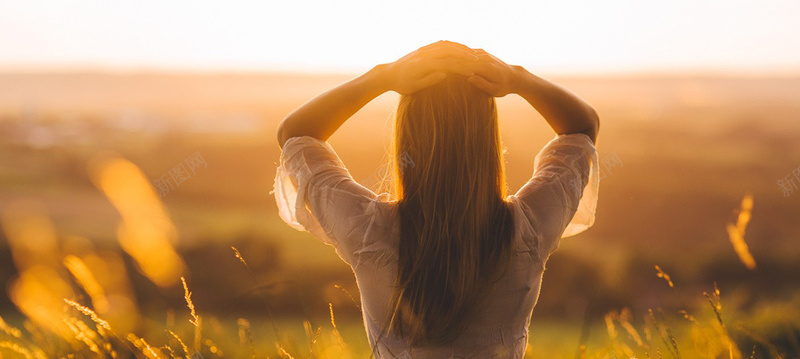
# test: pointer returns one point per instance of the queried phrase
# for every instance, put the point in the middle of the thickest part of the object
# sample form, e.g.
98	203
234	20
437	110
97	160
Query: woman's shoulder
386	212
525	236
385	219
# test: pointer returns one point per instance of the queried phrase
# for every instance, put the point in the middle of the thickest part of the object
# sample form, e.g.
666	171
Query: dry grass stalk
188	296
180	342
82	334
352	299
736	232
239	255
335	329
143	346
665	276
16	348
264	298
14	332
284	353
90	313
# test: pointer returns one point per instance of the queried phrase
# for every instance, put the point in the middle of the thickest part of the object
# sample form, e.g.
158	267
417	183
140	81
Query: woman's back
364	229
498	329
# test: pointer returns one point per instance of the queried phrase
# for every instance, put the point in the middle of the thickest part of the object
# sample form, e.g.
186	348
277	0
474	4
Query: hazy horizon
323	72
618	36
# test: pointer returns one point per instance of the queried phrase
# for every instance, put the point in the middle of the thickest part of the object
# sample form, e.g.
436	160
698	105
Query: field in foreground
712	326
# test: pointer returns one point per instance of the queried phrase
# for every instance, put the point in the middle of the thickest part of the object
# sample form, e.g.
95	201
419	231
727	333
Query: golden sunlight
736	232
146	232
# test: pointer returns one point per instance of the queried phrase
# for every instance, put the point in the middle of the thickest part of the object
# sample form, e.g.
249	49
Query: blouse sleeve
315	192
560	200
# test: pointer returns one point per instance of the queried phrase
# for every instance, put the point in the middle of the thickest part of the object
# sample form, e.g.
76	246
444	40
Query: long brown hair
455	226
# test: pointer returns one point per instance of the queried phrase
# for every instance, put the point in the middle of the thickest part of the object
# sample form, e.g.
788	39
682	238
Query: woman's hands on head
494	76
429	65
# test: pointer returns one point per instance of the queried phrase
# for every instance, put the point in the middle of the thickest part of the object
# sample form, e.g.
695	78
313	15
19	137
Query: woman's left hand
427	66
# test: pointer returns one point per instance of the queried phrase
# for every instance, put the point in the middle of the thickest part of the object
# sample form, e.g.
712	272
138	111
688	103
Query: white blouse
316	193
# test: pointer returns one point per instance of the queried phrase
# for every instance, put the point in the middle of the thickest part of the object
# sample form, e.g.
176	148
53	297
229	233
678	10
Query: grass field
73	145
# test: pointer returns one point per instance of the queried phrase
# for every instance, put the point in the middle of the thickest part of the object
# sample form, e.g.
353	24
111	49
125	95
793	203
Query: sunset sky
344	35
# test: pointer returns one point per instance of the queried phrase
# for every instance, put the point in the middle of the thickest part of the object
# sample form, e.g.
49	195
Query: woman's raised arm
323	115
563	110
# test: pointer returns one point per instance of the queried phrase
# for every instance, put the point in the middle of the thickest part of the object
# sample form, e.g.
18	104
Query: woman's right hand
427	66
494	76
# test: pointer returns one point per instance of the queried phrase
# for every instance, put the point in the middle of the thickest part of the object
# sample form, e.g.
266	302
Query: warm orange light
736	233
39	288
146	232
